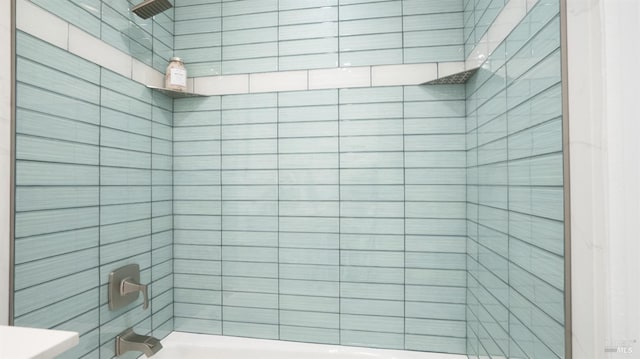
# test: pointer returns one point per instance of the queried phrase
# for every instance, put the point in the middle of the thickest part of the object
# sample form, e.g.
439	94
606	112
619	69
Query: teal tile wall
93	192
149	41
515	195
333	216
246	36
478	17
309	223
250	222
197	209
419	218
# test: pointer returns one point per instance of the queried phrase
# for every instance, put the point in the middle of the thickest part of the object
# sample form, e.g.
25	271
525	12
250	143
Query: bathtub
198	346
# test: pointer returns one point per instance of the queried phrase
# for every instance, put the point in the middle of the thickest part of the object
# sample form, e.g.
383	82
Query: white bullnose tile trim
190	84
449	68
50	28
412	74
221	85
98	52
146	74
341	77
34	20
510	16
279	81
333	78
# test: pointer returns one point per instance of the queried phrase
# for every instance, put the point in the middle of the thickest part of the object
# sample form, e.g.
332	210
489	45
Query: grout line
404	208
99	199
402	18
278	65
339	227
151	233
278	209
338	6
221	186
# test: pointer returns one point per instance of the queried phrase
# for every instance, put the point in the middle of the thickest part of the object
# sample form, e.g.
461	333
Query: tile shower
422	218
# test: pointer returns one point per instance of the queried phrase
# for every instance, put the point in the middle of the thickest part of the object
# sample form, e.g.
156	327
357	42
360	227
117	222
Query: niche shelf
457	78
176	94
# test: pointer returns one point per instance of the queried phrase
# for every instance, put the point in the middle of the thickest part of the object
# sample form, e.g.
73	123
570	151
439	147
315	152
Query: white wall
604	95
5	143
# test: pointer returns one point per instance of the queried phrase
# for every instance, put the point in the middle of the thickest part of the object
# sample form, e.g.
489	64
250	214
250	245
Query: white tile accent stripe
190	82
48	27
221	85
279	81
98	52
449	68
34	20
510	16
145	74
342	77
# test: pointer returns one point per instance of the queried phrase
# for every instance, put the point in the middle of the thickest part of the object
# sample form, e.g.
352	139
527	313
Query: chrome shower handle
128	285
124	287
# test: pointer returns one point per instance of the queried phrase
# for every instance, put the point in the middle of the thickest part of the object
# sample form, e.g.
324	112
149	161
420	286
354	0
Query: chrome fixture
129	341
149	8
124	287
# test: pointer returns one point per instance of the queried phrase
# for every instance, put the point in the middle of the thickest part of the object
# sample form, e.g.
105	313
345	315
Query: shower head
149	8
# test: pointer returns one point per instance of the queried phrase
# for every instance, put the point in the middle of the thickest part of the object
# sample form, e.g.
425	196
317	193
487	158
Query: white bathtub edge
182	339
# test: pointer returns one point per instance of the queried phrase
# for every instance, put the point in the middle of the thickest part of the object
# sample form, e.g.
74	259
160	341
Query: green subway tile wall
478	17
93	192
424	218
246	36
515	195
331	216
149	41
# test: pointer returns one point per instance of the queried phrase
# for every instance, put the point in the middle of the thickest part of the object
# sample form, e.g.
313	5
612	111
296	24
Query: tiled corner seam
510	16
